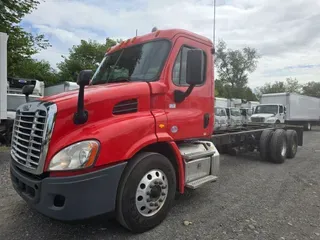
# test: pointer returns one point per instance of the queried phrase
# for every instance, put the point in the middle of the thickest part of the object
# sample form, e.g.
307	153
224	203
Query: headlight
271	120
76	156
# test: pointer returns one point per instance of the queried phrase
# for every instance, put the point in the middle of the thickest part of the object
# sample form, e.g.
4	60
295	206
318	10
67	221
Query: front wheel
146	192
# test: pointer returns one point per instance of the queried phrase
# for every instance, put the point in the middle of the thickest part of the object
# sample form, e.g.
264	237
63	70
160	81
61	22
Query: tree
233	66
311	89
291	85
21	45
40	70
83	56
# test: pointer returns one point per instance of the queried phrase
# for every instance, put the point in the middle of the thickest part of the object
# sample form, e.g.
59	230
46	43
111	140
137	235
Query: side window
281	109
216	111
180	67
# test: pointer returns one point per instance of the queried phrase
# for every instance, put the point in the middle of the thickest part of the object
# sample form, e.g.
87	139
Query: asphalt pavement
252	200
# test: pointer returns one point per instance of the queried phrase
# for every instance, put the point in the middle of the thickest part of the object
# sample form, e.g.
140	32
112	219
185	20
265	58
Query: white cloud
286	33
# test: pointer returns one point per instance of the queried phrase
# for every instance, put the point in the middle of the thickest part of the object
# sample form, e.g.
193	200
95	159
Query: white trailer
288	108
3	76
250	104
221	102
59	88
235	102
234	118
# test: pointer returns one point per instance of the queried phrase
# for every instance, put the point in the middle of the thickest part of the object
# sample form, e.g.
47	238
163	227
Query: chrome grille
257	119
31	135
27	137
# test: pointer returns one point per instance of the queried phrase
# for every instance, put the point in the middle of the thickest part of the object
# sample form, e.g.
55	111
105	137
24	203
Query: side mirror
194	75
27	90
284	110
81	116
84	77
195	62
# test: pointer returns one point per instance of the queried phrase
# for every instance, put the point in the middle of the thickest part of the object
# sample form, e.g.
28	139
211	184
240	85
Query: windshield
273	109
141	62
235	112
14	101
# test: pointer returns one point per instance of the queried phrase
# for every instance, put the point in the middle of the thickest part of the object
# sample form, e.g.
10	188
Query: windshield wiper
119	79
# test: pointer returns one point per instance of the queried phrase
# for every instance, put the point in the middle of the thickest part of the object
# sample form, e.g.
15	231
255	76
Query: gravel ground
251	200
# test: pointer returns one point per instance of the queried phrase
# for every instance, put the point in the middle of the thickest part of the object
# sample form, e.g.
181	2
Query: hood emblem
26	107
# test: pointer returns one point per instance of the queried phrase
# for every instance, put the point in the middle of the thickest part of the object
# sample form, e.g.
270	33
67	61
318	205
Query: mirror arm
180	96
81	116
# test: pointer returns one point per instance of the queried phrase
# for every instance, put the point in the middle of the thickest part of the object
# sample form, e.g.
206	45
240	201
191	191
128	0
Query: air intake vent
127	106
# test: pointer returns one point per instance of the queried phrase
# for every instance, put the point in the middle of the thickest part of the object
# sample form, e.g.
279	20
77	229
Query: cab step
199	182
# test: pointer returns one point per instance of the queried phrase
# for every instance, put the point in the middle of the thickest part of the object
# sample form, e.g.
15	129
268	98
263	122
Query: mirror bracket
180	96
81	116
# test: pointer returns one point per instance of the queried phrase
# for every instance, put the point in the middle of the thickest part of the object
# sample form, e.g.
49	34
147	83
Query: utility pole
214	23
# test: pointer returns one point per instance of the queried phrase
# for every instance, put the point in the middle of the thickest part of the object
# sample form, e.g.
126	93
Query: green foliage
233	67
311	89
86	55
21	44
40	70
291	85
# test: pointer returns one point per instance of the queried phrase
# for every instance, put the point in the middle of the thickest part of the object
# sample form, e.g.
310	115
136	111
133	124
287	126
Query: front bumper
70	198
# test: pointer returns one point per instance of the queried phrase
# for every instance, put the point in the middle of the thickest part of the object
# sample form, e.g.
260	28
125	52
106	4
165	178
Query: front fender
120	137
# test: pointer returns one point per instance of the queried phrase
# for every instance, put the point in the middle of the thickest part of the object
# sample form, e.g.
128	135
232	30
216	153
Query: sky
285	33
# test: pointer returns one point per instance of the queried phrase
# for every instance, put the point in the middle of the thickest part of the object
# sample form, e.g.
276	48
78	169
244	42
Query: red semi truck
137	131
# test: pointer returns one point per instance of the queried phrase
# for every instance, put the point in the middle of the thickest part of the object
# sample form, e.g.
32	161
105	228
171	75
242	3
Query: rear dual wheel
276	146
146	192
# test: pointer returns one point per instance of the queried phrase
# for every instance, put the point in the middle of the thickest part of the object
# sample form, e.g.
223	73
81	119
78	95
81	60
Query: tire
278	146
264	143
292	143
224	149
133	199
307	126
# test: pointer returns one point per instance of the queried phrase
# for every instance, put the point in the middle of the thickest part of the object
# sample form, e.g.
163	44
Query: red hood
88	91
99	101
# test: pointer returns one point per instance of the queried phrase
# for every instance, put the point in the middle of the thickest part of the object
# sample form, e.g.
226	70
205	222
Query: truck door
193	117
281	114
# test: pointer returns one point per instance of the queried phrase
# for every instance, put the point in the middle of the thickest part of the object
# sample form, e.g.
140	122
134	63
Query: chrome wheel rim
284	149
151	193
294	147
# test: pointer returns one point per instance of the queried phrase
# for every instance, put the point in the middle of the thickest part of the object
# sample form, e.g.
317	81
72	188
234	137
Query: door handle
206	118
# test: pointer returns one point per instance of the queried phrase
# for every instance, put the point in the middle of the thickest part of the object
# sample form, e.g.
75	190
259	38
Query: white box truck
290	108
233	115
59	88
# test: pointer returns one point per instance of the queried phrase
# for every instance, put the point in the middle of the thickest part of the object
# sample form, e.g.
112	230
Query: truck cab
221	119
15	97
246	114
135	132
269	113
234	117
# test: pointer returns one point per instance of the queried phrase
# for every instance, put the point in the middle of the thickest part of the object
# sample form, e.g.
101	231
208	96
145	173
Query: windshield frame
161	66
